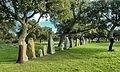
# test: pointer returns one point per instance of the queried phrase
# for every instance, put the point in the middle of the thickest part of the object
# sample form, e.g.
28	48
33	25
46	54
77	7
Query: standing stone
61	39
66	43
61	46
40	52
89	41
77	43
31	49
71	42
82	41
51	48
86	41
44	50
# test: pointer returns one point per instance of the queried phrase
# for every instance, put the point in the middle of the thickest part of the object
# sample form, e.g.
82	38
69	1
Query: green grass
92	57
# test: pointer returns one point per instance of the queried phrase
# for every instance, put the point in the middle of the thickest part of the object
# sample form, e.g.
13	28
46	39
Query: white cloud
44	23
36	16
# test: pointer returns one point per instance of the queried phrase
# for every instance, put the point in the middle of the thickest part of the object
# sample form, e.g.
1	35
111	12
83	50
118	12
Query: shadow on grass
7	60
116	44
73	53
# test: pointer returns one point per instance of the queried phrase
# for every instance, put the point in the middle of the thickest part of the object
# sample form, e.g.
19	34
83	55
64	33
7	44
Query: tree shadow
73	53
7	60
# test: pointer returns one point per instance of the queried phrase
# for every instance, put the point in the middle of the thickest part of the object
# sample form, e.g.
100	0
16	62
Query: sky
44	23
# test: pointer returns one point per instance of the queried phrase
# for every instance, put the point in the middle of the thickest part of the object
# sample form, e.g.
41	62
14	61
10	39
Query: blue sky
44	23
48	24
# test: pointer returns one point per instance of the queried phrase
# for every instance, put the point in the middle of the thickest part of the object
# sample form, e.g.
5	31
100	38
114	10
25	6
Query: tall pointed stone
51	48
45	50
71	42
66	43
31	48
87	40
77	43
82	41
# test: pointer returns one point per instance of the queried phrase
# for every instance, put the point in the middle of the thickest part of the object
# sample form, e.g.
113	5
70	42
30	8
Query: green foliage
41	34
103	12
117	34
60	9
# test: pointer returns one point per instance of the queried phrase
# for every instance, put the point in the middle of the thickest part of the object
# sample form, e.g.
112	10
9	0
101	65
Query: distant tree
117	34
76	24
6	27
106	13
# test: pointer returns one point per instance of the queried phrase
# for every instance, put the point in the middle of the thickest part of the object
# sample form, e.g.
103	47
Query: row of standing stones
51	49
68	44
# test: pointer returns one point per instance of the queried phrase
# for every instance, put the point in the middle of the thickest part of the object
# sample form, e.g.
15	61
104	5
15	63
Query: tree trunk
40	40
22	57
111	39
106	39
61	40
98	40
118	39
111	44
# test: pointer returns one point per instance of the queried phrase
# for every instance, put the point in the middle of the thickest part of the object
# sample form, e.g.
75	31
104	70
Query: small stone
40	52
61	46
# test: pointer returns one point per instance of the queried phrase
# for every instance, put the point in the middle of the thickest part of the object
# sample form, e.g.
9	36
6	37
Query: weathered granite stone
86	41
66	43
71	42
44	50
31	49
77	43
61	47
82	41
89	41
40	52
51	48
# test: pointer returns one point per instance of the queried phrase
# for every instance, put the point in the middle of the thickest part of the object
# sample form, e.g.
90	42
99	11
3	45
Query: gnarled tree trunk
111	39
98	40
61	39
22	57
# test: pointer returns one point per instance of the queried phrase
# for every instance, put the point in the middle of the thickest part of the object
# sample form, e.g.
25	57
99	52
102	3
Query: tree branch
6	10
35	25
107	17
32	15
78	31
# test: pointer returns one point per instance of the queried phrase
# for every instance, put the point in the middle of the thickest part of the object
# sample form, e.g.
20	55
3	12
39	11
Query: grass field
92	57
